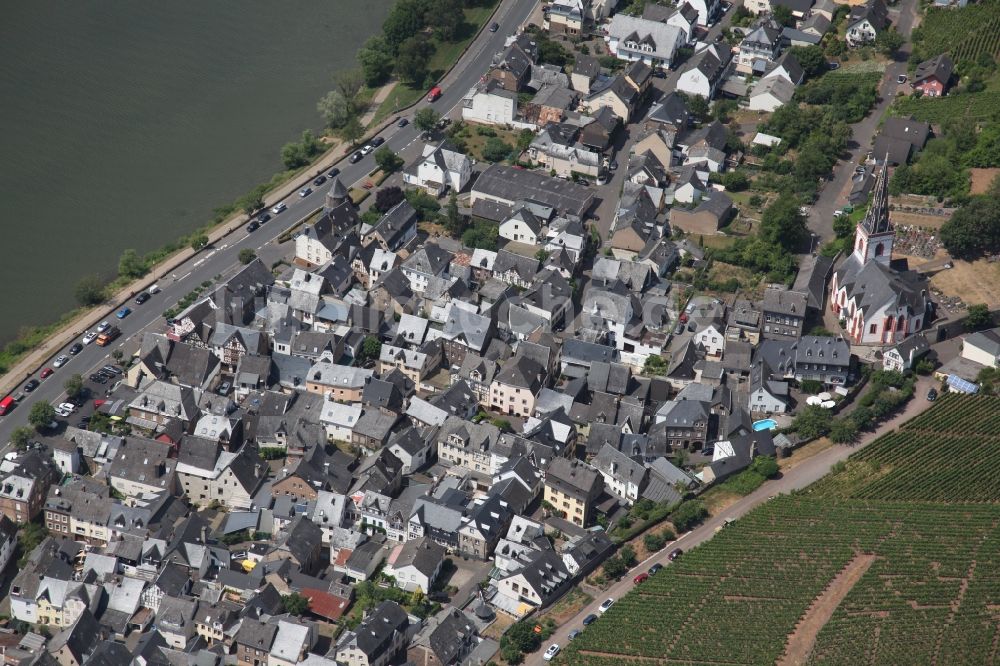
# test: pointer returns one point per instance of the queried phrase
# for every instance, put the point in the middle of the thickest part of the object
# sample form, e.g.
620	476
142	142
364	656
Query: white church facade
878	304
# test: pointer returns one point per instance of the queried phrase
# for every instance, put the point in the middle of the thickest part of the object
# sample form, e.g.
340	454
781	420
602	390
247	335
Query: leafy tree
74	386
889	41
89	290
688	514
844	431
627	553
404	21
411	63
496	149
811	386
349	82
524	139
552	52
376	61
20	437
386	198
454	222
447	18
698	107
979	317
426	119
41	415
655	365
654	542
335	109
812	59
502	424
293	155
813	421
28	538
614	567
295	603
766	466
924	367
783	15
198	242
370	349
387	160
425	205
974	229
131	265
782	222
352	131
100	422
253	200
247	255
482	235
735	181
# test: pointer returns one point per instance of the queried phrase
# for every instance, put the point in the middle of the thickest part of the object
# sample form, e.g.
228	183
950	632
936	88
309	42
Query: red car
641	578
434	94
45	373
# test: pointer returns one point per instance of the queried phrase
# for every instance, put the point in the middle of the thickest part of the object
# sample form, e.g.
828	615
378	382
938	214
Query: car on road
305	191
142	298
98	378
434	94
356	157
589	620
60	412
60	361
261	219
605	605
367	148
67	407
279	207
333	173
674	554
640	579
253	226
832	66
112	369
46	373
319	180
659	73
573	634
403	122
653	569
494	27
377	141
75	349
613	166
124	312
103	326
89	337
860	170
901	78
31	385
551	653
932	395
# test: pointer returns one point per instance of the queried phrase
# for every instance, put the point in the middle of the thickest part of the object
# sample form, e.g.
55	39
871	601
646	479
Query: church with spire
877	302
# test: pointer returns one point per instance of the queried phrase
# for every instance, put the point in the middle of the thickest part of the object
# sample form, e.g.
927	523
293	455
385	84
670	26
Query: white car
67	407
60	361
551	652
89	337
608	603
367	149
155	289
103	326
278	207
305	191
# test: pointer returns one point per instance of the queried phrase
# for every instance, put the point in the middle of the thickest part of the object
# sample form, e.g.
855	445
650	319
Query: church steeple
875	233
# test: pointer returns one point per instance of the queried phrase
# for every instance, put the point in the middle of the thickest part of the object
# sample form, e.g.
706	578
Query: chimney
204	535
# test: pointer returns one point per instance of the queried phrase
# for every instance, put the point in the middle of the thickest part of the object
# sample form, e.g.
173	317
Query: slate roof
939	67
512	185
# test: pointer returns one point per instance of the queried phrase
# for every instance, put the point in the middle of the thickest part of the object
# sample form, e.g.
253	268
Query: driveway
796	477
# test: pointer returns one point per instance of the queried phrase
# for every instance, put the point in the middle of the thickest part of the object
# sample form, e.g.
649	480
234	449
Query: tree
783	15
655	365
688	514
28	538
698	106
376	61
426	119
20	437
812	422
411	63
247	255
404	20
386	198
454	222
654	542
979	317
336	110
496	149
844	431
766	466
811	58
293	155
74	386
352	131
627	553
614	567
41	415
524	139
782	222
889	41
974	229
198	241
447	18
349	82
370	349
131	265
387	160
295	603
89	290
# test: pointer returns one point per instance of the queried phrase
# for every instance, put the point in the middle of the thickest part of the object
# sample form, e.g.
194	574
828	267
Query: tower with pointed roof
336	195
875	234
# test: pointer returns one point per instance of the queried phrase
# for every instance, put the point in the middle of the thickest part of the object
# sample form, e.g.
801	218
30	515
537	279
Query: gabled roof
939	67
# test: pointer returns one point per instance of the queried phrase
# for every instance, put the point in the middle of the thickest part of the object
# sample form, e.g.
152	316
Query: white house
523	227
866	22
704	71
708	10
771	94
415	564
983	347
767	395
711	339
339	419
438	169
490	104
905	355
634	38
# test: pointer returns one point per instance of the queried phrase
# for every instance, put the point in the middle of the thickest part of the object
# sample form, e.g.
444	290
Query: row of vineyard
978	106
960	414
964	33
736	599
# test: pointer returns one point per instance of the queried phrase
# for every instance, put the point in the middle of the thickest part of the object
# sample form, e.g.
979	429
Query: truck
108	336
434	94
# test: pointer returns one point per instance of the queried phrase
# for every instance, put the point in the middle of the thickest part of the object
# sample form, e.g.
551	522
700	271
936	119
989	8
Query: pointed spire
877	218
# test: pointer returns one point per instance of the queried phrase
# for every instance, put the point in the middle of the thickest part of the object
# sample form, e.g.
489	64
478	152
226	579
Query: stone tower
875	234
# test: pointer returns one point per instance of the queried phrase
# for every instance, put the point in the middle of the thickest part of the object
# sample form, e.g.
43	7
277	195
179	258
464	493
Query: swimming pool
764	424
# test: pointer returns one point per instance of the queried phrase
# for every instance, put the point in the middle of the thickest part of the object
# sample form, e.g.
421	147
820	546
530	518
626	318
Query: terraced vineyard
913	514
964	33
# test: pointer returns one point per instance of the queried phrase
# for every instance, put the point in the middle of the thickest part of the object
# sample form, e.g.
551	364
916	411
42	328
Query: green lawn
445	55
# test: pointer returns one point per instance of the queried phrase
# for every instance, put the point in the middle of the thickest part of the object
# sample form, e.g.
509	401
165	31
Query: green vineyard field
921	500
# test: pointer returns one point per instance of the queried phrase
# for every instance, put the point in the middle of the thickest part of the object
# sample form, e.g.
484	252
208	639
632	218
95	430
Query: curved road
221	259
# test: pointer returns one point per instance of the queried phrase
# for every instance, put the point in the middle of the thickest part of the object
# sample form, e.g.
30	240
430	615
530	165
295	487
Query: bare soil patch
973	282
981	179
802	640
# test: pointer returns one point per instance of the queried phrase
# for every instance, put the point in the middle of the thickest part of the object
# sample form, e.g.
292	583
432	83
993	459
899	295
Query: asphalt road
796	477
221	259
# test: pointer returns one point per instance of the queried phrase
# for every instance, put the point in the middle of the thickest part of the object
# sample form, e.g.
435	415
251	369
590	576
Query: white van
155	289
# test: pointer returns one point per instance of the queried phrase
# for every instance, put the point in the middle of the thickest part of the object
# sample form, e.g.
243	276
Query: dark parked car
675	553
112	369
98	378
76	348
263	217
494	27
403	122
142	297
931	395
319	180
378	141
253	226
356	157
653	569
334	172
589	620
31	385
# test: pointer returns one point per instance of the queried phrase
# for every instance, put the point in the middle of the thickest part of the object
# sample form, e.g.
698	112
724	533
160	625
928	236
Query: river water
123	124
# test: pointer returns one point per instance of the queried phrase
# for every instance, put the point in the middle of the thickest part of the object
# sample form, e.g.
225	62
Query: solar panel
963	385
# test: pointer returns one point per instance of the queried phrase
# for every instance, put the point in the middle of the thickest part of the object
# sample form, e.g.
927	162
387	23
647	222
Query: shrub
654	542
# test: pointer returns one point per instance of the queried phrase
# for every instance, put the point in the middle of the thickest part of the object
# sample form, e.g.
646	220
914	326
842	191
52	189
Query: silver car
60	361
